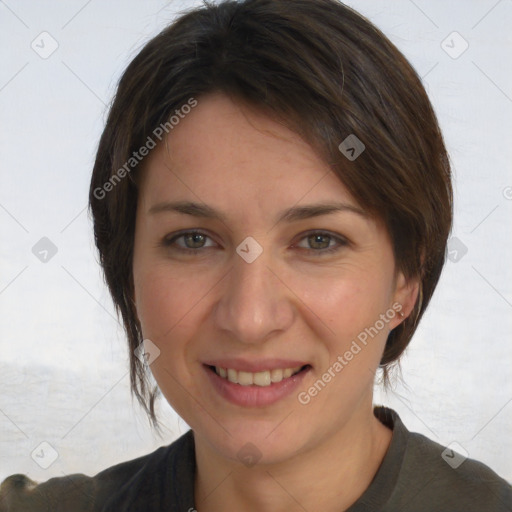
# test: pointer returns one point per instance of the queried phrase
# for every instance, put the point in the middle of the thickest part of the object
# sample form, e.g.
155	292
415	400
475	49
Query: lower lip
255	396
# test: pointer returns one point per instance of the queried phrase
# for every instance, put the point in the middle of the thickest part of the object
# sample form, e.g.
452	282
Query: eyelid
336	236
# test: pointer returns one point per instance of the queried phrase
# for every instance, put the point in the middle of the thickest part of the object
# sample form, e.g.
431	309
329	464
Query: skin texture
291	302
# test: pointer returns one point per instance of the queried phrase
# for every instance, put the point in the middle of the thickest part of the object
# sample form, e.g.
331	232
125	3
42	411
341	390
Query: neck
329	477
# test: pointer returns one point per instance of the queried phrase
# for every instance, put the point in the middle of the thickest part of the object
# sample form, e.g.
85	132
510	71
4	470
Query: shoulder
81	493
20	493
447	480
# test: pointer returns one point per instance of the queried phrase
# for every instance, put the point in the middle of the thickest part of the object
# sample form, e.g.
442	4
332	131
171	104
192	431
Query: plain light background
63	361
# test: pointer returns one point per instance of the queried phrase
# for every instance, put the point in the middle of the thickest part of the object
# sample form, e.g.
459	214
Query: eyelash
341	242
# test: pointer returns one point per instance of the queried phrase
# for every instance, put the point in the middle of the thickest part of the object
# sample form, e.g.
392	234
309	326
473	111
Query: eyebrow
292	214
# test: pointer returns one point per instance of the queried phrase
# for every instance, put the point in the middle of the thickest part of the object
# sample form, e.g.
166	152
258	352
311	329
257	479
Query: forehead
226	152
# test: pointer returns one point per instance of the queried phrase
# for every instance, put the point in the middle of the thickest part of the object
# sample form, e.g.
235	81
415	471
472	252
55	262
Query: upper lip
260	365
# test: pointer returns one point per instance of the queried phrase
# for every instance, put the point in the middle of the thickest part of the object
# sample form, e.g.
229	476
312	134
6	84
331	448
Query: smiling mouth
263	379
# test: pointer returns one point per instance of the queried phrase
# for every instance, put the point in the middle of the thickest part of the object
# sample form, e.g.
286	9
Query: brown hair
326	72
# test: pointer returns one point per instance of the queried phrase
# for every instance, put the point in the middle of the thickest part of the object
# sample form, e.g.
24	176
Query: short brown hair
325	71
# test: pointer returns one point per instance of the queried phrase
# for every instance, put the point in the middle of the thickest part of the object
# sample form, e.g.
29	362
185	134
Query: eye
320	242
316	243
189	241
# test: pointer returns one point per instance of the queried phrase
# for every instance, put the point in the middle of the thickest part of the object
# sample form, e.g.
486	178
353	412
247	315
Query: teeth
244	378
263	379
233	376
276	375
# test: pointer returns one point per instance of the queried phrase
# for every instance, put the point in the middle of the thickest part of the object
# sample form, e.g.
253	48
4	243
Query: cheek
161	299
169	309
346	301
172	305
349	303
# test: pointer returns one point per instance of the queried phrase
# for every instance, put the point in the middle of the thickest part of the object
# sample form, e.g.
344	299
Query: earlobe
406	295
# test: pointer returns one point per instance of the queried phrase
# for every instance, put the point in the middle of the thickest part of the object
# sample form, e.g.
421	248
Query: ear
404	298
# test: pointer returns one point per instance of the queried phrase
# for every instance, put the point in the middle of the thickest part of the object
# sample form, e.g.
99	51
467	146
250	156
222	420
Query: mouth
260	388
263	378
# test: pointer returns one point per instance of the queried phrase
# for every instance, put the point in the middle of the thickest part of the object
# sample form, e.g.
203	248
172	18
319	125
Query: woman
272	200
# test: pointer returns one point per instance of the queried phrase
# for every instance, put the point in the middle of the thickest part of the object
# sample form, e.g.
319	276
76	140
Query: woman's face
239	265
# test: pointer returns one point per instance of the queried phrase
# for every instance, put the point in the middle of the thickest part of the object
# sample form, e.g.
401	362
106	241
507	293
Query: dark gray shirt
416	475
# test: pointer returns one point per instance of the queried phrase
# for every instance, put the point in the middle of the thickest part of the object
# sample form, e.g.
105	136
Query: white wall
63	362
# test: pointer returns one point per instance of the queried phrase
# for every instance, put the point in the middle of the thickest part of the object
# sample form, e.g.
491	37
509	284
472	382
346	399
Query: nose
255	305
